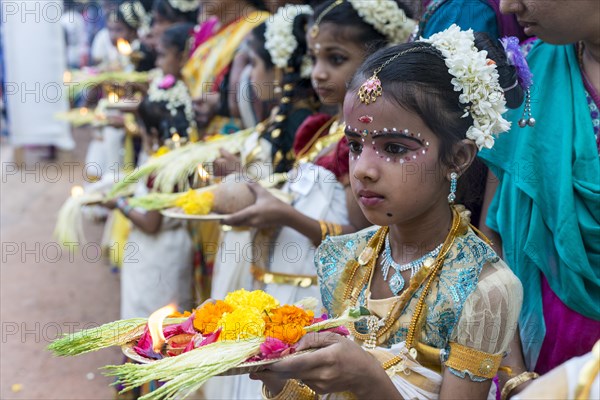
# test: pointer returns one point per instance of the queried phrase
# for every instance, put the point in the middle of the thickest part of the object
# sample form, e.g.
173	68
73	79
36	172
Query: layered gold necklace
379	330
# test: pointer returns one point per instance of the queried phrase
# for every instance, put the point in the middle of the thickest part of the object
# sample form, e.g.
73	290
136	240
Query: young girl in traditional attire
278	72
338	40
105	149
280	257
208	72
443	305
157	263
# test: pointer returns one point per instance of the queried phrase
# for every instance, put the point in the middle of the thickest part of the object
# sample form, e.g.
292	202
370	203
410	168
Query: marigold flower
242	323
255	299
207	317
196	203
286	323
177	314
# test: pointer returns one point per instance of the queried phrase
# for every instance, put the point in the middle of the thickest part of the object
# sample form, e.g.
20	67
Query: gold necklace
378	328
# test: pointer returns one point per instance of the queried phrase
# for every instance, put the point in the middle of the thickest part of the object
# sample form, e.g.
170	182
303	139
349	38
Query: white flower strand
279	37
175	97
477	78
386	17
184	5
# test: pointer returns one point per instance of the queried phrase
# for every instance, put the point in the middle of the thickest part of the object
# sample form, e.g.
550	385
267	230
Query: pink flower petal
167	82
144	346
208	339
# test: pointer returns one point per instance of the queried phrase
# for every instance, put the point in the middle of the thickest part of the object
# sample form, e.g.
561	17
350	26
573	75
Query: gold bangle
518	380
338	229
293	390
324	229
330	228
334	229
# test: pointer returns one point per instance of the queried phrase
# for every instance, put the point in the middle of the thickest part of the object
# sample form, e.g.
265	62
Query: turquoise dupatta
547	205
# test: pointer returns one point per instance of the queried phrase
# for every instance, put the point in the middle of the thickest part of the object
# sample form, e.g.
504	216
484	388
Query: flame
83	111
76	191
155	324
67	76
113	97
176	137
124	47
204	175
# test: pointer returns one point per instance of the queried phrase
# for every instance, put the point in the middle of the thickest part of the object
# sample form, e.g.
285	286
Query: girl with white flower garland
340	36
317	181
157	265
443	305
277	52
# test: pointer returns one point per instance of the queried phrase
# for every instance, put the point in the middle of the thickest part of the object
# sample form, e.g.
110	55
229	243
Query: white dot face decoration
390	144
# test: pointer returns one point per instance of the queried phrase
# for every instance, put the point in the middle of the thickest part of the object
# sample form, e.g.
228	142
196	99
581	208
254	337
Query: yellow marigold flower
257	299
160	151
196	203
286	323
206	318
242	323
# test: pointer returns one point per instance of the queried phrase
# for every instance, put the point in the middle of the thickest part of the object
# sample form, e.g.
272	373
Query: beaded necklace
379	328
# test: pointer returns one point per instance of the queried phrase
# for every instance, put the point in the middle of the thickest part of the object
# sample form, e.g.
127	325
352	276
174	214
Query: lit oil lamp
113	97
125	51
176	139
155	326
124	47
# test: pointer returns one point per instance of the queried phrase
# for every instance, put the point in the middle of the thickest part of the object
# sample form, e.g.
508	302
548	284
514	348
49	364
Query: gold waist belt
277	278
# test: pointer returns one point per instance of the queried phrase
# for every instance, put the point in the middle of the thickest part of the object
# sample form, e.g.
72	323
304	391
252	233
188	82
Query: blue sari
478	15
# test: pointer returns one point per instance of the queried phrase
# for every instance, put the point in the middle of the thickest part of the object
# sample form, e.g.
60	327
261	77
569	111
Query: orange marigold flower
177	314
208	316
286	323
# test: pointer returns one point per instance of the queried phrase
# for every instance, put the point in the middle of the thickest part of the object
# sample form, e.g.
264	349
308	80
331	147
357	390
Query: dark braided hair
130	19
281	131
155	115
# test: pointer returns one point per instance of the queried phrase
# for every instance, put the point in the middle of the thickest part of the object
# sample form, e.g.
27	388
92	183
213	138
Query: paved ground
44	291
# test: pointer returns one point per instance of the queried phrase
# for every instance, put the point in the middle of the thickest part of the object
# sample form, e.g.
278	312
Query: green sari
547	205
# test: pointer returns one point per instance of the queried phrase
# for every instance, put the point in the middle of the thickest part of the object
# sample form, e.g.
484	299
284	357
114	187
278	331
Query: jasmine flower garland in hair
134	13
174	93
184	5
279	37
477	78
386	17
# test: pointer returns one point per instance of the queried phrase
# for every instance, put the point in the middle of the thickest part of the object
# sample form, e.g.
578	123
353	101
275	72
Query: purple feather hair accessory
517	59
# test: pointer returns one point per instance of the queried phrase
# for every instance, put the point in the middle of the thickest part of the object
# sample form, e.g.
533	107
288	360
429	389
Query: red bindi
365	119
